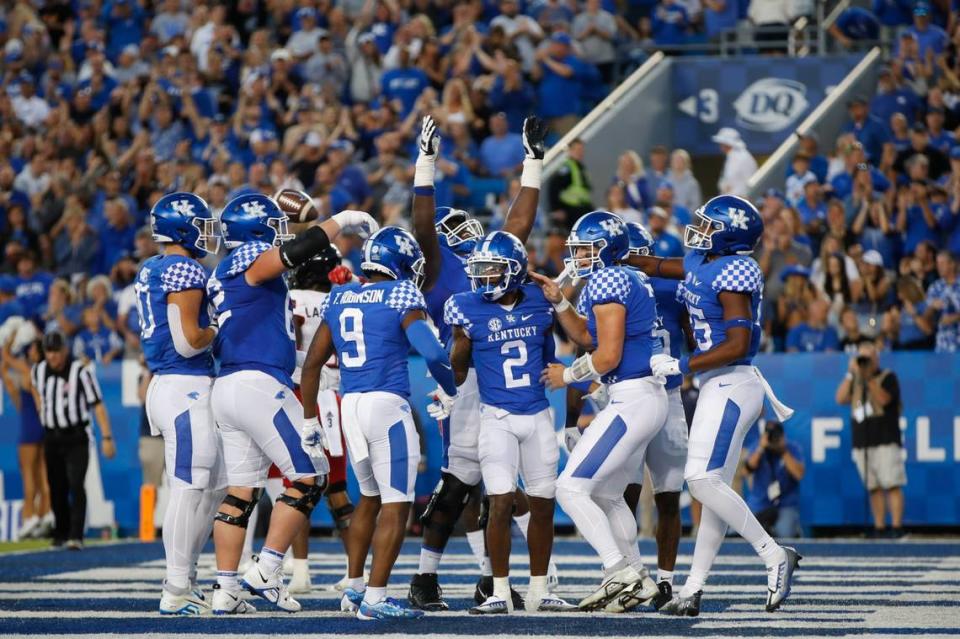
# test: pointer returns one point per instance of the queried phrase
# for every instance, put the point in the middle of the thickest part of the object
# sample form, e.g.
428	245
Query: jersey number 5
351	330
511	362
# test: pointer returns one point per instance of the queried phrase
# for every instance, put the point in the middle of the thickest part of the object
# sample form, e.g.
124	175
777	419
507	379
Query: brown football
297	205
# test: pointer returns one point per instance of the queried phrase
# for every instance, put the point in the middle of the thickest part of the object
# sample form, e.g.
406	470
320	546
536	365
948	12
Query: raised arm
574	324
424	204
523	210
423	340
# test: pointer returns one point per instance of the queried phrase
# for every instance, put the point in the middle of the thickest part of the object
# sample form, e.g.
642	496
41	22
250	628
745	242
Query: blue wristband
685	364
426	191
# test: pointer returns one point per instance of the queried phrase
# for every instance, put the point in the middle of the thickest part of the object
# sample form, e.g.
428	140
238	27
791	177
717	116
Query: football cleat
492	606
610	588
270	588
425	593
185	602
547	603
229	603
300	584
784	575
632	596
664	595
350	601
389	608
683	606
484	591
29	527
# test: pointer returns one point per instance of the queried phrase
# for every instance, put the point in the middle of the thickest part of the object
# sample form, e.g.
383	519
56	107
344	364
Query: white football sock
374	595
477	546
429	561
592	523
180	524
665	575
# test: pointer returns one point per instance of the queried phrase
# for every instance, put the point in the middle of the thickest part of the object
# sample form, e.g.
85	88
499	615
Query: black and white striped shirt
66	397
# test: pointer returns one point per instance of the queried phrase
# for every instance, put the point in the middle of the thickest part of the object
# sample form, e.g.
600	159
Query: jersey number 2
508	364
351	330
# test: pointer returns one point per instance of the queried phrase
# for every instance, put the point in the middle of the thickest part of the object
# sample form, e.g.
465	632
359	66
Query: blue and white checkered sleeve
741	275
246	255
182	276
406	297
324	307
609	286
452	315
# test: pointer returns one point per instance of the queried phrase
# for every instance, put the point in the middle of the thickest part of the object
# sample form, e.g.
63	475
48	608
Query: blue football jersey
701	289
372	347
256	322
451	280
670	331
632	290
157	277
511	347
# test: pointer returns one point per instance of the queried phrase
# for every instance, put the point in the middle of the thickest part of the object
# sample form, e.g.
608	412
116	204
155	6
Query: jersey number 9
351	330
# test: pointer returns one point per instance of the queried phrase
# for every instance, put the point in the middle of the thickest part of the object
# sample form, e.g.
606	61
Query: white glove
311	438
358	222
600	396
442	404
429	139
663	366
570	437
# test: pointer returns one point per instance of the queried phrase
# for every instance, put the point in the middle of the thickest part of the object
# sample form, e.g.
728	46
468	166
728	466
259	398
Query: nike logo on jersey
526	317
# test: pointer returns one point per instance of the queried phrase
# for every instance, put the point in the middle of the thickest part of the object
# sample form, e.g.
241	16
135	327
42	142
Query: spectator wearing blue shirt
666	244
10	306
60	312
560	90
349	177
940	138
814	335
943	304
404	84
124	20
929	36
869	131
905	327
893	98
261	149
810	146
719	16
670	23
33	286
899	133
95	341
502	153
893	13
855	25
916	217
934	164
775	467
665	200
117	235
512	95
812	207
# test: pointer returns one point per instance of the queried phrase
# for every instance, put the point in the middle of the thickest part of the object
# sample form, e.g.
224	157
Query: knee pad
246	509
545	490
446	503
340	514
307	501
700	486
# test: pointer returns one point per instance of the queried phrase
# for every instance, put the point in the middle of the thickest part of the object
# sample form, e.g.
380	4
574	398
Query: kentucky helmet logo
253	208
404	245
613	227
183	207
738	219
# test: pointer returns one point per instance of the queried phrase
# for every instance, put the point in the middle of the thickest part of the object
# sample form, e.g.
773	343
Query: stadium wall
832	494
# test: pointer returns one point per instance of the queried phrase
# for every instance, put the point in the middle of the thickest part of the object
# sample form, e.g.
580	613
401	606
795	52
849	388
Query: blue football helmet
185	219
641	242
725	225
393	252
253	217
604	234
497	265
457	230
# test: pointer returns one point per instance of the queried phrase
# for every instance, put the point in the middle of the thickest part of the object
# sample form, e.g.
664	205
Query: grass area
26	544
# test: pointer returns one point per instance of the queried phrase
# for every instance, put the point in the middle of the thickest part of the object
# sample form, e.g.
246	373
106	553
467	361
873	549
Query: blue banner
763	98
831	491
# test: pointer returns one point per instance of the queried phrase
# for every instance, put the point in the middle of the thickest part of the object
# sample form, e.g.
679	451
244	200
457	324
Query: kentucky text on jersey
512	333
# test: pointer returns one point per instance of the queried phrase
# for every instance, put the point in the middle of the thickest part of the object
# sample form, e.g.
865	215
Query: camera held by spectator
775	467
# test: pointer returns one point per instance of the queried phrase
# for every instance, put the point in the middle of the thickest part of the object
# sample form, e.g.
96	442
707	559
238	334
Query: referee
65	390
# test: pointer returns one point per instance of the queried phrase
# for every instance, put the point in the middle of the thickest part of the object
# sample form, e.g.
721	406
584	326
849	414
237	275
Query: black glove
533	133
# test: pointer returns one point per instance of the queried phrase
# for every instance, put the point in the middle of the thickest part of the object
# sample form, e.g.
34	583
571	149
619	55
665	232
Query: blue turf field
844	588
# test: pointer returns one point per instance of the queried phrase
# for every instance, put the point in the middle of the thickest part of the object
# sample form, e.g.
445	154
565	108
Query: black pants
67	455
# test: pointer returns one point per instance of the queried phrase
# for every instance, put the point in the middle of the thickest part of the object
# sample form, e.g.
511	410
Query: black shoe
58	543
666	594
425	593
485	589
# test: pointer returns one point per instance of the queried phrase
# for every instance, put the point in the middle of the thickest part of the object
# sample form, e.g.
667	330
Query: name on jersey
512	333
689	298
360	297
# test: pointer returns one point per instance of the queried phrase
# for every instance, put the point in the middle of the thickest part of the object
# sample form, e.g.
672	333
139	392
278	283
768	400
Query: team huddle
281	360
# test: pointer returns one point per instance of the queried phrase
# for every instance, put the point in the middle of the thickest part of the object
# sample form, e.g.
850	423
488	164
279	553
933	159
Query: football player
372	327
504	328
447	236
177	333
253	399
616	320
722	288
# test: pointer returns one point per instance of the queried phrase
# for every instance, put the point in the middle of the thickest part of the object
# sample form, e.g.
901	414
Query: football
297	205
